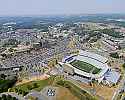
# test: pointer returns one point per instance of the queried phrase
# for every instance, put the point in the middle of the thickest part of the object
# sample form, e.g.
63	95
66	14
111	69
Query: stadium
88	65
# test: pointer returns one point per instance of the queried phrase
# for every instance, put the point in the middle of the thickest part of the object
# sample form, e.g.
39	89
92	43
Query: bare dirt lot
65	94
104	92
33	78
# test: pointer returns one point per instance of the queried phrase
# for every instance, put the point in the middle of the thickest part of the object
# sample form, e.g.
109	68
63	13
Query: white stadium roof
95	60
88	57
94	56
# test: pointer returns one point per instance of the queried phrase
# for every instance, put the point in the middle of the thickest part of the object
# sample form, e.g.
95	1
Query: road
120	87
19	97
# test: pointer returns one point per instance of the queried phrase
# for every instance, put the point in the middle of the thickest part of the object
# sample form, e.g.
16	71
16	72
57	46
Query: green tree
14	98
35	85
10	49
24	93
4	96
20	91
9	97
16	90
10	90
3	76
29	87
4	55
114	55
123	65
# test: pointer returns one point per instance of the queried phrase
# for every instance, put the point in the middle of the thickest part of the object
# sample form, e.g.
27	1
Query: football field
86	67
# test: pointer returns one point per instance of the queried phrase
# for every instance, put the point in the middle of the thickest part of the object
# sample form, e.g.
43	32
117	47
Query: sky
46	7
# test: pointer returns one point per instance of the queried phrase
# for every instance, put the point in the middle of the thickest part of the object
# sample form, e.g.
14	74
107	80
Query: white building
95	60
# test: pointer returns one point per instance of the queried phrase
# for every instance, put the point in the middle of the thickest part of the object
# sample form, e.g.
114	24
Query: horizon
47	15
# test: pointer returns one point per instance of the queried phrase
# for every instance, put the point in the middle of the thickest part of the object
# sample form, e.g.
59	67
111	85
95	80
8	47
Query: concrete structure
110	44
122	44
94	59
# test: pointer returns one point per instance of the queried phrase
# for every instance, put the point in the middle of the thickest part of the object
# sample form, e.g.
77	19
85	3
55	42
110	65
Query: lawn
86	67
34	85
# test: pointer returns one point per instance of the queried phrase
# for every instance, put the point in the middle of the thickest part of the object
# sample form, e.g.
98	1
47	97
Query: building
90	66
122	44
110	44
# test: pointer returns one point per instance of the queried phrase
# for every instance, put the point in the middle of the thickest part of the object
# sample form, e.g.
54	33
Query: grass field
33	85
86	67
67	90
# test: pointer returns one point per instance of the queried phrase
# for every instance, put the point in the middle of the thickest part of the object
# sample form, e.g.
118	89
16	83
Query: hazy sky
39	7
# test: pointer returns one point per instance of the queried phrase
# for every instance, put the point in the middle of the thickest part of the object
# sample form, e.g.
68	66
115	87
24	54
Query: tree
112	32
51	64
35	85
27	43
56	61
114	55
16	90
1	90
4	55
24	93
10	49
20	91
3	76
4	96
14	98
11	42
123	65
10	90
29	87
9	97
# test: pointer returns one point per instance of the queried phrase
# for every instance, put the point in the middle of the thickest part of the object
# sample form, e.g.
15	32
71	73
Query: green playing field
86	67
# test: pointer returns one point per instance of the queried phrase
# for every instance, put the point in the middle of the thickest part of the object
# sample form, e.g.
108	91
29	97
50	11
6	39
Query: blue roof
112	76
